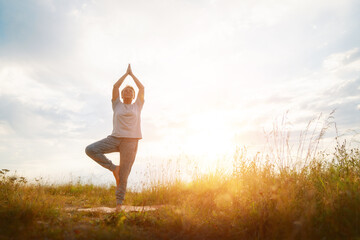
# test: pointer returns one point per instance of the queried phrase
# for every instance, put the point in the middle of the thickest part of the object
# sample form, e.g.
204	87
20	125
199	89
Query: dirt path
125	208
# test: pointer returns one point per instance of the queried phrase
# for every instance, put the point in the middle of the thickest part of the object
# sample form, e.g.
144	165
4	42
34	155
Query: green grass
256	200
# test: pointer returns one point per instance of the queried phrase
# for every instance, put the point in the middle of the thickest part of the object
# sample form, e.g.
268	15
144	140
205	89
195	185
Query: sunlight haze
217	74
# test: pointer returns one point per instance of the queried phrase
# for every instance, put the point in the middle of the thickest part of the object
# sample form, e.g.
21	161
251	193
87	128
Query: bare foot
116	173
118	207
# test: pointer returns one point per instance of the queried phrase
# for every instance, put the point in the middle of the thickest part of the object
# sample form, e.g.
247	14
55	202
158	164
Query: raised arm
115	93
138	84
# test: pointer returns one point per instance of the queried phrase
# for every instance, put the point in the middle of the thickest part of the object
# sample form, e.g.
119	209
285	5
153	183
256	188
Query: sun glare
209	135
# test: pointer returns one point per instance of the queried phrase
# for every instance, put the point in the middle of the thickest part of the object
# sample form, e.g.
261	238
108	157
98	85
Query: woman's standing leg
97	150
128	150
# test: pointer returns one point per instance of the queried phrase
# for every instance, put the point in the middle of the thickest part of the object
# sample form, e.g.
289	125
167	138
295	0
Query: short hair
128	86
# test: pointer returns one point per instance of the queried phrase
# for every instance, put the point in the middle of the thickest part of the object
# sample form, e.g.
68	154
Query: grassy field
256	200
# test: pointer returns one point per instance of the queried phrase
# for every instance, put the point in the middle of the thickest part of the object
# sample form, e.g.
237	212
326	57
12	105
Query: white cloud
336	61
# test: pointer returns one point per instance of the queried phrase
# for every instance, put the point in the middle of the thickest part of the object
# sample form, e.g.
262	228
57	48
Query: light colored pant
127	148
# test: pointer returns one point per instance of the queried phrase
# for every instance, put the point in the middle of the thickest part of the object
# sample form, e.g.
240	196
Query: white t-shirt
126	119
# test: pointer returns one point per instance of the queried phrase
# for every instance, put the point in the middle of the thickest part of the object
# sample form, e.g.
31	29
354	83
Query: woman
124	137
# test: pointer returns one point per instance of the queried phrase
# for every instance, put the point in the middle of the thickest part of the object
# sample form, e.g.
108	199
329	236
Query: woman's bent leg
97	149
128	149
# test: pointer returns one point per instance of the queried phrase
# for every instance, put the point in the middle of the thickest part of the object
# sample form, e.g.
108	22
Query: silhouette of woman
125	135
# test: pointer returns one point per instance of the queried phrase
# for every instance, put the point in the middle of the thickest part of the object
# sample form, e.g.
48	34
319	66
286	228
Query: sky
217	75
